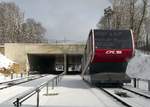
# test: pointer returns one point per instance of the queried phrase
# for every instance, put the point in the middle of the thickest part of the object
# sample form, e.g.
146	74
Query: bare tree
10	22
129	14
143	14
33	31
13	28
102	23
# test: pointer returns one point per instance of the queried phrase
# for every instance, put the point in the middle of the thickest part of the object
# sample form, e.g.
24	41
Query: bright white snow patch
5	62
139	66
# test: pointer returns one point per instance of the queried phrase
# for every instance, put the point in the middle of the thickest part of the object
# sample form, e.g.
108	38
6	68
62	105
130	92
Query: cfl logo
113	52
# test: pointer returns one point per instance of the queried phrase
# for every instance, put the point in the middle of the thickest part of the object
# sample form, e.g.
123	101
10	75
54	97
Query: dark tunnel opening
74	64
41	64
54	64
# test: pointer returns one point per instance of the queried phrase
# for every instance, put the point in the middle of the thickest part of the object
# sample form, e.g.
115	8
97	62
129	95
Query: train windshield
113	39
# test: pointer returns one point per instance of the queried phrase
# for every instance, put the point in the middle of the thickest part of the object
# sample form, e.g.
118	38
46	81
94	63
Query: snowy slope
5	62
139	66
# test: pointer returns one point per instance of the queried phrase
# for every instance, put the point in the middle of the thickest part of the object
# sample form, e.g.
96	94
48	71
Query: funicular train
106	56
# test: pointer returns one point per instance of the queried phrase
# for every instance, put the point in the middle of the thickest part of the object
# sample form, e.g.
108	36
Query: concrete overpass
45	58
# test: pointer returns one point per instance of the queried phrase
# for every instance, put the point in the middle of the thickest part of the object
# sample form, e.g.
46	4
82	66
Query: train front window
113	39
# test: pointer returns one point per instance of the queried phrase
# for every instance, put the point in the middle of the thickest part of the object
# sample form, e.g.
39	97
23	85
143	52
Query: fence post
18	103
21	75
37	97
56	81
134	82
52	84
47	89
11	75
148	85
137	83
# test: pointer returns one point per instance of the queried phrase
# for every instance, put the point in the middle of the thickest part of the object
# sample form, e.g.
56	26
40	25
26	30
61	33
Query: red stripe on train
112	55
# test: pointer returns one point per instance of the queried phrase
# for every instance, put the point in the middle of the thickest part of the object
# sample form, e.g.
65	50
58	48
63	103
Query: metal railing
137	80
55	80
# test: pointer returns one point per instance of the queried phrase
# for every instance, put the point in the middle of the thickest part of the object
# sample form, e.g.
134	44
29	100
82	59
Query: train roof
110	33
102	31
112	30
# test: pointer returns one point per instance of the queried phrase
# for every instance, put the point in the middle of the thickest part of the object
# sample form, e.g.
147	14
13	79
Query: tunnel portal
73	64
41	63
54	64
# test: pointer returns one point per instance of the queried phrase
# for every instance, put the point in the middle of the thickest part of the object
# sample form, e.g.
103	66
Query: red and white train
106	56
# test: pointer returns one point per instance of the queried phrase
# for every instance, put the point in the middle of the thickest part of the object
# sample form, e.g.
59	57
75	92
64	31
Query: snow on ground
139	66
7	95
5	66
73	92
4	78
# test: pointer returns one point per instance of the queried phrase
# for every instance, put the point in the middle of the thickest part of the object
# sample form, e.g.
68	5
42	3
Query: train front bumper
110	78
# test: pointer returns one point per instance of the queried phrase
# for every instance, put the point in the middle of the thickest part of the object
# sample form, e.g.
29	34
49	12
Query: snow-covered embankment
139	66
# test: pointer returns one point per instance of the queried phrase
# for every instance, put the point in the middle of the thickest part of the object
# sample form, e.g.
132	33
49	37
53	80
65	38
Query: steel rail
5	82
140	94
121	101
8	83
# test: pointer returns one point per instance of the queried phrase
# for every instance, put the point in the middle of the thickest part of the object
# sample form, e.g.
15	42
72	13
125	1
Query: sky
64	19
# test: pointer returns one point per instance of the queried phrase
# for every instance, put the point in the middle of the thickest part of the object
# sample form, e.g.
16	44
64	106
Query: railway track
127	97
138	93
8	84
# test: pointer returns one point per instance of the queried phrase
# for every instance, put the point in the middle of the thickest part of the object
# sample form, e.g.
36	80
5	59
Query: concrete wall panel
18	51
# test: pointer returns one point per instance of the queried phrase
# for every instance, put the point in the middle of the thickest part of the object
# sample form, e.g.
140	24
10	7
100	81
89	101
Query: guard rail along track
55	80
11	83
140	94
127	100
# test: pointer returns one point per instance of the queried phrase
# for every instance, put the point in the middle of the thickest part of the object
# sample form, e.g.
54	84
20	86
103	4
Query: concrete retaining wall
18	51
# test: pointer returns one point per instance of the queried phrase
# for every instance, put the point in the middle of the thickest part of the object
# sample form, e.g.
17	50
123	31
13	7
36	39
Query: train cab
106	56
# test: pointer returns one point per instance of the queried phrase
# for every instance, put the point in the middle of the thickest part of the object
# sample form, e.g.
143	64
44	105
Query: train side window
113	39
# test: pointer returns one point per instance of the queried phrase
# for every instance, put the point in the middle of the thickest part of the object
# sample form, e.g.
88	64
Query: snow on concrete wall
5	62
